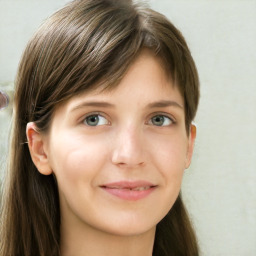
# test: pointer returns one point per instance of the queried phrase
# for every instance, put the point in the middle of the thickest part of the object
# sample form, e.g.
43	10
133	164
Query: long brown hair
87	44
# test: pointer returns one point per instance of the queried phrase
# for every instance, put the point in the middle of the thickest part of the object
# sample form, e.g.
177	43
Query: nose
128	149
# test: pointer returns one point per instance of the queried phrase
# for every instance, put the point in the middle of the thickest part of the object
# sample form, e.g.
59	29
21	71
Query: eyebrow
93	104
157	104
164	103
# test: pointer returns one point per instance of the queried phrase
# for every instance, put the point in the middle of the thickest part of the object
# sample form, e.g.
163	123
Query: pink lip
129	190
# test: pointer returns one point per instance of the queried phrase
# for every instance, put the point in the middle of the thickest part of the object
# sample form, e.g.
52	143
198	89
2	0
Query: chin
130	227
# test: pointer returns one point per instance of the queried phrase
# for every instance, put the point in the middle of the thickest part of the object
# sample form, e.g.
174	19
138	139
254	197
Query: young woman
105	97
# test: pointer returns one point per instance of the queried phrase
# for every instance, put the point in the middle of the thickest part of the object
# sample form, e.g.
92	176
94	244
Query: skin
135	139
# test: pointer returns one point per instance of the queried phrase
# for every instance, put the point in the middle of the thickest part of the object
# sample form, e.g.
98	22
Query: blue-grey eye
95	120
161	120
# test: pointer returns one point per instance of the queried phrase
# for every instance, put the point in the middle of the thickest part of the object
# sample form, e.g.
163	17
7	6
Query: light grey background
220	186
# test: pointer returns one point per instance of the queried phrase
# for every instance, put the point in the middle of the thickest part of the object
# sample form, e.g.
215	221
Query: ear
37	148
191	142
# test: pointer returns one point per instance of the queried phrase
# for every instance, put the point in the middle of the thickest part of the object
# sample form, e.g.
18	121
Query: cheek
169	152
76	158
168	156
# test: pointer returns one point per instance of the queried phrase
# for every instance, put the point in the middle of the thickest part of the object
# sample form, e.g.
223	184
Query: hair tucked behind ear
86	45
30	206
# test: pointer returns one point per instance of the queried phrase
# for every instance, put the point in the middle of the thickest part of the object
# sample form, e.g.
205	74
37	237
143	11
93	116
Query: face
119	156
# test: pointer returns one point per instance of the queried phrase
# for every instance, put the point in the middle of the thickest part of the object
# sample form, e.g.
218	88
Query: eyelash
171	120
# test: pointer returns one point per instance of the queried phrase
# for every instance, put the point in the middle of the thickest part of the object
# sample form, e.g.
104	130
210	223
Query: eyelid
163	114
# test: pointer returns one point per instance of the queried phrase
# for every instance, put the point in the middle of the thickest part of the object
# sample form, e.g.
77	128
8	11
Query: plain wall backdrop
220	186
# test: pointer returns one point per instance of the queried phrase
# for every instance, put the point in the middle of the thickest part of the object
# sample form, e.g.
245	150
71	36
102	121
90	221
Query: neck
92	242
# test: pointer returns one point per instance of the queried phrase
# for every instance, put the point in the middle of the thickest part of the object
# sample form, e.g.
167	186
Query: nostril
130	164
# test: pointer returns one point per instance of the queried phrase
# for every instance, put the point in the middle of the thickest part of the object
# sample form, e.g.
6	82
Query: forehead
145	81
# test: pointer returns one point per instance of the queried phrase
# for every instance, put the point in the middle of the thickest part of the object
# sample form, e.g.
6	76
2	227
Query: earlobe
192	137
36	144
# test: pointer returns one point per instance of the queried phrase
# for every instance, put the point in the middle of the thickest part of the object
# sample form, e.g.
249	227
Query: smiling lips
129	190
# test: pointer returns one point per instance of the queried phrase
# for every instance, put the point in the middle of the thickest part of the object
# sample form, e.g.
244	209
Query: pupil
93	120
158	120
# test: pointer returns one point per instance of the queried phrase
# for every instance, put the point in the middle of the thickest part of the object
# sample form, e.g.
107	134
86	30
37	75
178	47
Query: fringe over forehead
91	43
